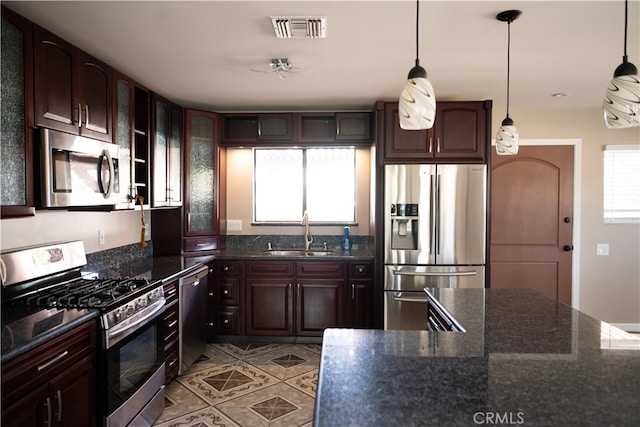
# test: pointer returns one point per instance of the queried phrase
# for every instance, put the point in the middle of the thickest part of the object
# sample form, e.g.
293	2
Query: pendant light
417	106
622	99
507	137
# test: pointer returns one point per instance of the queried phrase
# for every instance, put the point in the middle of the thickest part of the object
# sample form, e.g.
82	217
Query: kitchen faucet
308	238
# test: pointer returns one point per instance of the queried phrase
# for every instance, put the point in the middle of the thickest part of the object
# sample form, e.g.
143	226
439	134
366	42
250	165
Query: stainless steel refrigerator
435	235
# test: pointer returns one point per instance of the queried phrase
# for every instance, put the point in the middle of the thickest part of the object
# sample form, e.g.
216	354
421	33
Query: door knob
567	248
567	219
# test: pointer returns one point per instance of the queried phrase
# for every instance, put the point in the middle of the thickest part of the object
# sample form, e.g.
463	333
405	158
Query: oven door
405	310
133	373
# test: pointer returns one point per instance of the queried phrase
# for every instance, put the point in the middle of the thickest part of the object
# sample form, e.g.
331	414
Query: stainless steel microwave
76	171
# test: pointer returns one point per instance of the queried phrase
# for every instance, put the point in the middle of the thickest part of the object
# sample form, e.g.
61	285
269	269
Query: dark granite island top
523	360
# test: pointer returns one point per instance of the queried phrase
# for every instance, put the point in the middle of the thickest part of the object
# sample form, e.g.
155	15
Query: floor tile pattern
245	385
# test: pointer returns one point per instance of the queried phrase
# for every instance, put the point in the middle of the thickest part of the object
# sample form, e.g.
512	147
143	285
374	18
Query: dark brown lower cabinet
171	331
294	298
225	298
359	300
54	384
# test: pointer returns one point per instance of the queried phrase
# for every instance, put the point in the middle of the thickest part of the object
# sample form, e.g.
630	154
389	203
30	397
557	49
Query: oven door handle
134	321
435	273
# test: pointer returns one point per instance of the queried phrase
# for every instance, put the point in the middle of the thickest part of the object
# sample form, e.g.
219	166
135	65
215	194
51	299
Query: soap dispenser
346	240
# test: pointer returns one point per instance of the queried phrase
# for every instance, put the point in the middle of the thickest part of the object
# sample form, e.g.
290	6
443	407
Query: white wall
120	228
609	287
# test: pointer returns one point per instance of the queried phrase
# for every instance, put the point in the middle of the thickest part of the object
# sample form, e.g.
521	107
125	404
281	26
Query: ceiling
199	53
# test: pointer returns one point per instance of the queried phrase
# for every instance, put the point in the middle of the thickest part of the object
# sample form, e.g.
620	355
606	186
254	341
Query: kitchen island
523	359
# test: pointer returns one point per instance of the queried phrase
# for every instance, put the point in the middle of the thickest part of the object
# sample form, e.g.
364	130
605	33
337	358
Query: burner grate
85	293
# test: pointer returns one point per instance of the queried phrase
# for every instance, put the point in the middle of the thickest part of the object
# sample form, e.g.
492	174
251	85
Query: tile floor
245	385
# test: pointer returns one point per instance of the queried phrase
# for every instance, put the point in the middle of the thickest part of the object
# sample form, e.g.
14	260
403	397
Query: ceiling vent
300	27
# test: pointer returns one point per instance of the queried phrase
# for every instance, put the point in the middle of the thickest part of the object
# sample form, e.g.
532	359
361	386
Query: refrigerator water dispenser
404	226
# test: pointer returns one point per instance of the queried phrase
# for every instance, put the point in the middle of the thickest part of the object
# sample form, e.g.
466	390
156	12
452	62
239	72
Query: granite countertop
356	254
524	359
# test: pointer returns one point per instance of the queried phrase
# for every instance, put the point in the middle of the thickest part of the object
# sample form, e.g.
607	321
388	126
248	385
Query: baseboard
629	327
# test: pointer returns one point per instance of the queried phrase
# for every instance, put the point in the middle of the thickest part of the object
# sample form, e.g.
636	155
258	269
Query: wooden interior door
532	220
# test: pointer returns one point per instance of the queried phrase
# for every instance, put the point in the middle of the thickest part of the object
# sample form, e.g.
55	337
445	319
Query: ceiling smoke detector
300	27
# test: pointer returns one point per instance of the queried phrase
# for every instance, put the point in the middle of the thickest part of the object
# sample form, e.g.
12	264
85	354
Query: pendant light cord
418	28
626	11
508	62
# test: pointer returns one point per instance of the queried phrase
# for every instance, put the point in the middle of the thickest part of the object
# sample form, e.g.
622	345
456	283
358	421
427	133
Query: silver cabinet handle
47	404
59	398
172	324
79	116
52	361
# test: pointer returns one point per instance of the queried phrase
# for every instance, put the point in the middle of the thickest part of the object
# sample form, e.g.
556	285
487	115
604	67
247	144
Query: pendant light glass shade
622	102
417	107
622	99
417	104
507	137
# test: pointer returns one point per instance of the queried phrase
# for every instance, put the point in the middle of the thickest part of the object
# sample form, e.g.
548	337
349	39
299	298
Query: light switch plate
234	225
602	249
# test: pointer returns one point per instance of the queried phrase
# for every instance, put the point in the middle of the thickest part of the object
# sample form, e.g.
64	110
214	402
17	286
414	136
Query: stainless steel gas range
130	355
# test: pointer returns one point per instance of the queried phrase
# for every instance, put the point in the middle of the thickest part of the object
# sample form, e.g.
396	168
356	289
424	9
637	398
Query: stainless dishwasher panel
192	309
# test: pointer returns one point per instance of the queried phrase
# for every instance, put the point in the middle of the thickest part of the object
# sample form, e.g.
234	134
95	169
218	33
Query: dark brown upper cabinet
167	152
73	90
331	128
131	133
246	129
461	133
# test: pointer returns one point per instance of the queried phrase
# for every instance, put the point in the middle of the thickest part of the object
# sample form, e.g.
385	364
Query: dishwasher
192	309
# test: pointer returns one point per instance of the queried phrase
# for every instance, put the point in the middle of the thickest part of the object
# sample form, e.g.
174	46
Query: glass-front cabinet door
167	153
16	169
201	173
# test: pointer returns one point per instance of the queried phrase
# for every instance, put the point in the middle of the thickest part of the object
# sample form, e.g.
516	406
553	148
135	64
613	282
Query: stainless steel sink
296	252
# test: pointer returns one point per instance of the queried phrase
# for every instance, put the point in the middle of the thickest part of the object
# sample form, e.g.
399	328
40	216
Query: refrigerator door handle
419	300
437	220
433	221
435	273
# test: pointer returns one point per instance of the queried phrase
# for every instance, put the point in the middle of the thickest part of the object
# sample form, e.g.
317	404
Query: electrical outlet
602	249
101	237
234	225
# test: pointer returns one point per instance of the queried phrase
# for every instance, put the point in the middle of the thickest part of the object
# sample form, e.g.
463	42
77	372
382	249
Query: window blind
622	183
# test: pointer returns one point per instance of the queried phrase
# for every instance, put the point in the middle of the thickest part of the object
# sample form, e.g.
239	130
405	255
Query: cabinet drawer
227	321
170	292
270	268
227	291
226	267
360	270
171	324
195	244
171	362
317	269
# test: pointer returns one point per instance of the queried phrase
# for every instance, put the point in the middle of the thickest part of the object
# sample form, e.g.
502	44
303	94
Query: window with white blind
321	181
622	183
